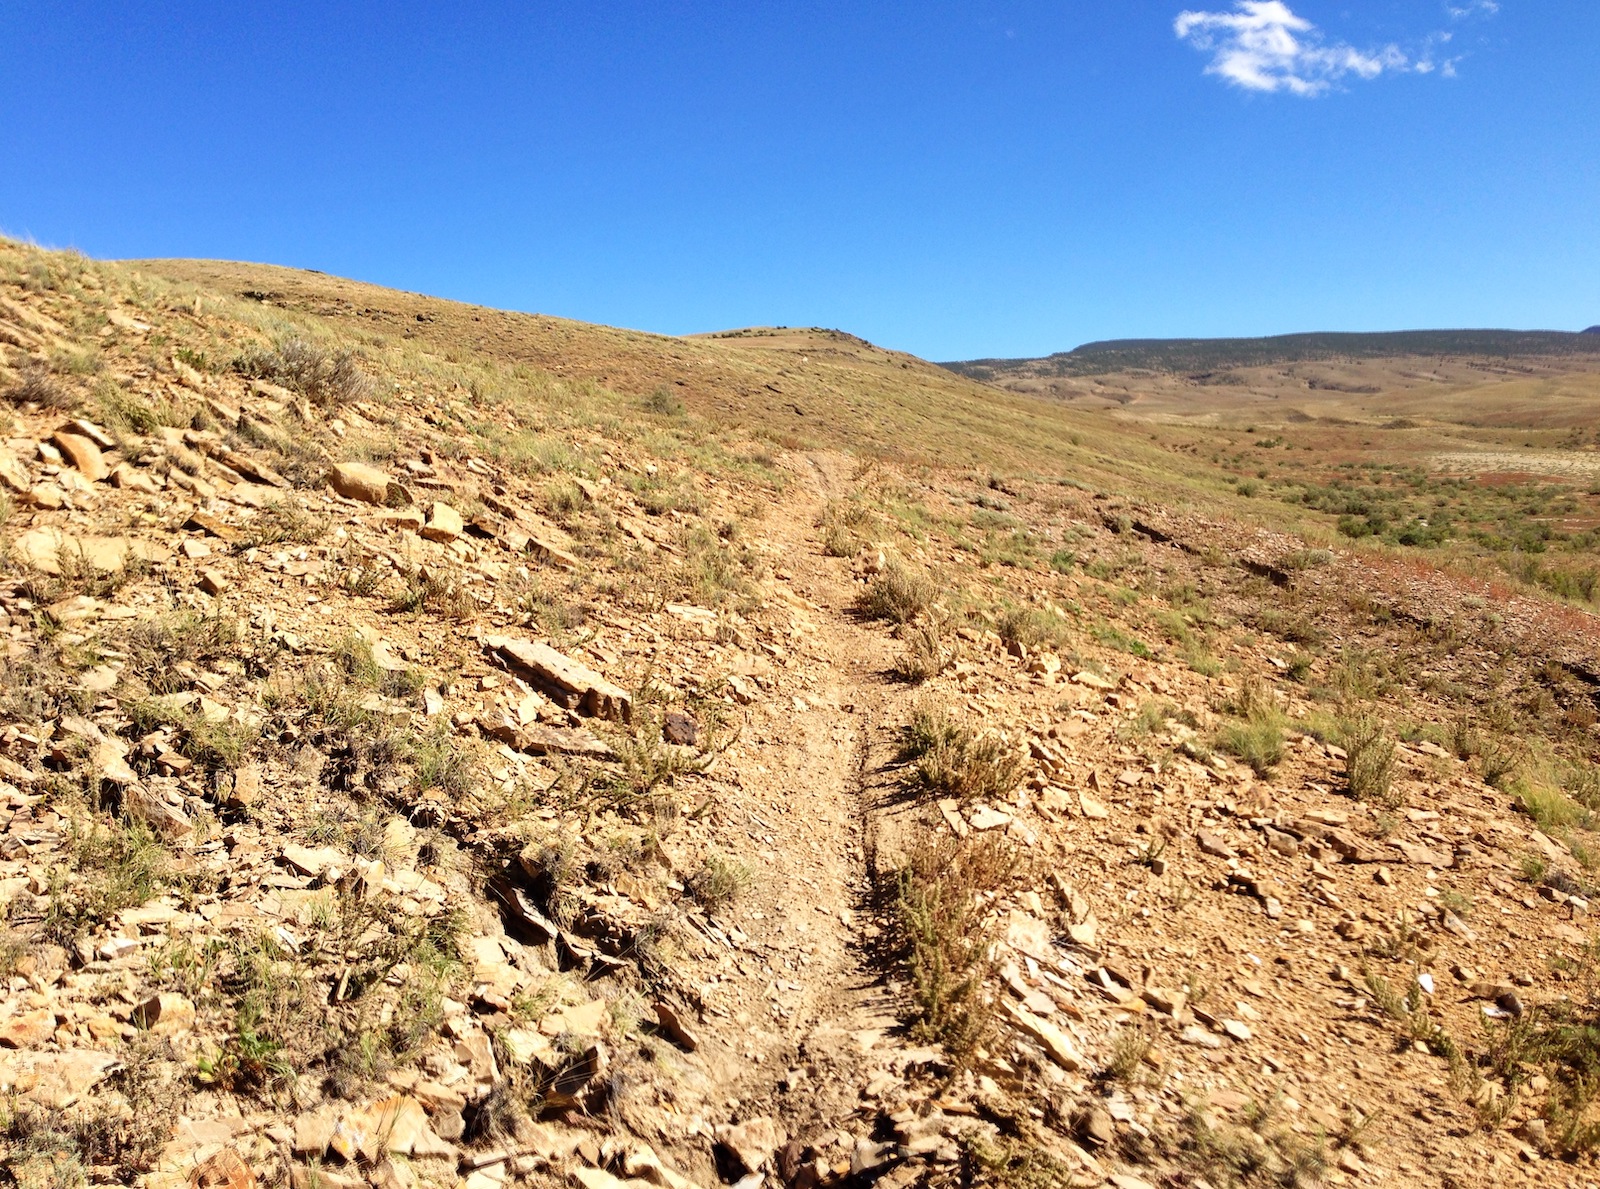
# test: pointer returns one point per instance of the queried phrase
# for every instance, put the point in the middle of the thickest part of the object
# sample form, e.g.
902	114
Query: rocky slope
421	766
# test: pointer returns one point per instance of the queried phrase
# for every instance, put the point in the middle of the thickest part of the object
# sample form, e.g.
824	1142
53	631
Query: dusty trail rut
831	1012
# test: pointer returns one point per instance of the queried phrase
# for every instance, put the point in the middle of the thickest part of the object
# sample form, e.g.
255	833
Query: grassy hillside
443	746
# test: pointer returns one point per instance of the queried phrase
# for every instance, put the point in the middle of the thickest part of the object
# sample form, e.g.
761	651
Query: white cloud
1472	8
1263	46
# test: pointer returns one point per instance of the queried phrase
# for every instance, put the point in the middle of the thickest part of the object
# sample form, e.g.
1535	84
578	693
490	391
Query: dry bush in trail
1251	700
663	402
947	935
718	884
327	379
716	570
159	650
897	594
843	524
931	647
953	760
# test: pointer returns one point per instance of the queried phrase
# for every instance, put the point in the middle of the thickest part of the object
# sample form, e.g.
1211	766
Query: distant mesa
1209	355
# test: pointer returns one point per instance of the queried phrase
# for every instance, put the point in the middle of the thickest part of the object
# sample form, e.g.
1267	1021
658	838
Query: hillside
445	746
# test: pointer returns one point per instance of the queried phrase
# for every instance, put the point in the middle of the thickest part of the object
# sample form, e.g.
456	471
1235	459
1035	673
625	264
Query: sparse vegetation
952	760
947	933
897	594
1369	766
325	378
372	833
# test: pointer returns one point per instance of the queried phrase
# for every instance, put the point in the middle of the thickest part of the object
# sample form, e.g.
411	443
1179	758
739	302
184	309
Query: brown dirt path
820	1016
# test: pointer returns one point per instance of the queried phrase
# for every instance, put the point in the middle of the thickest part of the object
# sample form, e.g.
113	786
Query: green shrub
951	760
1256	734
1369	762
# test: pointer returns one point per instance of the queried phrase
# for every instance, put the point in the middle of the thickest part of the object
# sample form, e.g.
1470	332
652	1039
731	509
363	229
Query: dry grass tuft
897	594
931	647
36	386
325	378
1369	763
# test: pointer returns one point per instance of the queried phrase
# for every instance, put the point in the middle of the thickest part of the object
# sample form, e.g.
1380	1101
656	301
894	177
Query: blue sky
954	179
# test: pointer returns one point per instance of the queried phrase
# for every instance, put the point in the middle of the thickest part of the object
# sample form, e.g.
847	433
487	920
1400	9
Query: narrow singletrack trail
832	1014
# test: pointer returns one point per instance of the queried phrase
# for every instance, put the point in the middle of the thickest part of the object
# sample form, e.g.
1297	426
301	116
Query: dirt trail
831	1012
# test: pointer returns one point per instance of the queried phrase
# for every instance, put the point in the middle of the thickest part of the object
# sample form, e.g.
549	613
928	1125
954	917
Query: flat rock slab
50	551
596	696
55	1080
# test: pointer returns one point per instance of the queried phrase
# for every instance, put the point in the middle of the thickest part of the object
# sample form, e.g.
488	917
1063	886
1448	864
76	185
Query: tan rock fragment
142	804
126	322
28	1030
671	1023
598	1178
314	861
592	692
1054	1040
88	429
313	1132
56	1080
585	1019
82	454
358	481
130	478
109	756
1091	808
47	497
987	818
324	1177
752	1142
13	475
165	1014
226	1170
444	523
